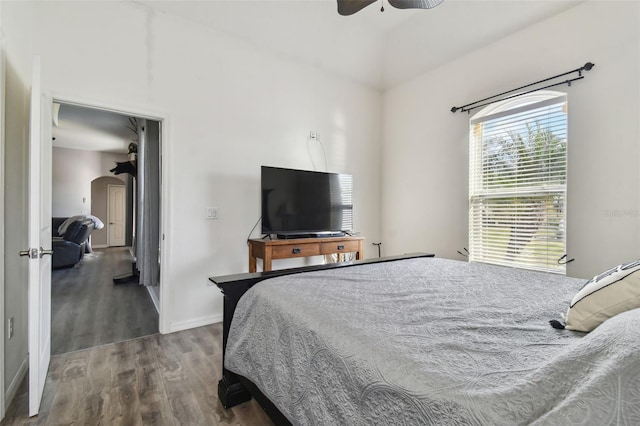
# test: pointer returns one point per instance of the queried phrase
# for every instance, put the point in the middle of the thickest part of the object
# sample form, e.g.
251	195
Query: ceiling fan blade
349	7
414	4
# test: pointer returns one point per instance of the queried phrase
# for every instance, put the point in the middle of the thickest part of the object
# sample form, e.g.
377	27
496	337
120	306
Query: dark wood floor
88	310
166	379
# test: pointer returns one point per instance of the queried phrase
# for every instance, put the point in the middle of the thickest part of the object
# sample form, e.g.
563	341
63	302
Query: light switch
211	213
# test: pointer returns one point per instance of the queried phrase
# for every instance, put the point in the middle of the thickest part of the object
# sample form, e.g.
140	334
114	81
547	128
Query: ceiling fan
349	7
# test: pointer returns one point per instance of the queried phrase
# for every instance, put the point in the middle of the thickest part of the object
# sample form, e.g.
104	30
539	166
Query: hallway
88	310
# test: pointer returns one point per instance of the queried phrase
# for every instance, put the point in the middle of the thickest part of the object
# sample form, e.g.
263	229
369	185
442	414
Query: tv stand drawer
339	247
295	250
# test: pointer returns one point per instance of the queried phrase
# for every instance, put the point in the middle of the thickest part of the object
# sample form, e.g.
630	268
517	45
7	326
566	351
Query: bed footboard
231	391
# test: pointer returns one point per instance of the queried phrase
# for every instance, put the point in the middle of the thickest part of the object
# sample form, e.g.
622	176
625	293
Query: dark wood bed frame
234	389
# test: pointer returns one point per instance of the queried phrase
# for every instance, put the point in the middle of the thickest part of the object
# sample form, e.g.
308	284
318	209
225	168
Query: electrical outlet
10	328
314	136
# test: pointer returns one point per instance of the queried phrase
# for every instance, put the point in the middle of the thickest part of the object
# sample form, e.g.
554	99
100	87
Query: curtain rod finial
454	109
588	66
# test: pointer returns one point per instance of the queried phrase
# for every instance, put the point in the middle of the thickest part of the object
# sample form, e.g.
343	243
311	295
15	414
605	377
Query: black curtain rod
477	104
567	82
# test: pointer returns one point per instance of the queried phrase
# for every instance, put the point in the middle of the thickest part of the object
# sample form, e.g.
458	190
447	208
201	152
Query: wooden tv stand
268	250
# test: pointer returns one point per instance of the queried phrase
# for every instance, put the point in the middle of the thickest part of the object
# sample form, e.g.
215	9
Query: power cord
324	153
315	137
252	229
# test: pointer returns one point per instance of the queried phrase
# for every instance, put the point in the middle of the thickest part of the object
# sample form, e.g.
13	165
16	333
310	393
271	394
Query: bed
422	340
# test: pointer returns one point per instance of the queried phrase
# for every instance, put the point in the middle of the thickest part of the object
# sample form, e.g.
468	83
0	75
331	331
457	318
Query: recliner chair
69	249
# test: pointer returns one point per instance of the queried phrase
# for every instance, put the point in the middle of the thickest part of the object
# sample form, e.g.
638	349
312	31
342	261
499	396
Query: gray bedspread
433	341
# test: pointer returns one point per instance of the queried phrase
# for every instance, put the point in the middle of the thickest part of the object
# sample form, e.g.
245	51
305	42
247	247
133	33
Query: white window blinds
517	184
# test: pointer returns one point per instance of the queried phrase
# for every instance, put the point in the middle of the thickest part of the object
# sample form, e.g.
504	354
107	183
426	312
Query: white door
116	213
39	238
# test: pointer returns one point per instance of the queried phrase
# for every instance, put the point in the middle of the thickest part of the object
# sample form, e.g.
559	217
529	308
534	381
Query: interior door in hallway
116	213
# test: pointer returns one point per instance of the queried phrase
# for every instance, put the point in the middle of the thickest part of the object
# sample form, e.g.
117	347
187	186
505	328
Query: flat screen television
301	203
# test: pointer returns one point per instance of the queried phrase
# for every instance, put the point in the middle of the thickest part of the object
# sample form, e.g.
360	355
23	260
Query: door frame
109	186
149	113
2	246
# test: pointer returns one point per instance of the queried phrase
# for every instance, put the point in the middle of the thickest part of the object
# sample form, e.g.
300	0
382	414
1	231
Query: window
517	182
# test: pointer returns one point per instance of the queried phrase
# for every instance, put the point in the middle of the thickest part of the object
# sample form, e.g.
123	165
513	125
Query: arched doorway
103	207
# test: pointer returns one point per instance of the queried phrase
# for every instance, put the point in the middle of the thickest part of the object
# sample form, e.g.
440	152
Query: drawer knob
340	247
296	250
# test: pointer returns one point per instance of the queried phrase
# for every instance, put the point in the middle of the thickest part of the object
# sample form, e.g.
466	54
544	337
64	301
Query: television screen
305	203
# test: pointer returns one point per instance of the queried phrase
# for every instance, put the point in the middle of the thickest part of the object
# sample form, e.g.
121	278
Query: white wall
232	107
72	173
425	167
16	26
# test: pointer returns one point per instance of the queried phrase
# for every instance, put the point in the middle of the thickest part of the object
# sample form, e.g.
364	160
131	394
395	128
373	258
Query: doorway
116	211
116	312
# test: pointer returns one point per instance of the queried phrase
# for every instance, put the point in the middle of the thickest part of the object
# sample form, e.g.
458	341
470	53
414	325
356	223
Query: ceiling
379	49
374	48
92	130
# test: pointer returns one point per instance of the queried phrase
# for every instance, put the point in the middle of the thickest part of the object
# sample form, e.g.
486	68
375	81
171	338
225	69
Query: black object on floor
128	278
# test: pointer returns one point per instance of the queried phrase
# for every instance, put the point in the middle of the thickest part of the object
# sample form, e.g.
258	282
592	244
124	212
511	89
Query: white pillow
605	295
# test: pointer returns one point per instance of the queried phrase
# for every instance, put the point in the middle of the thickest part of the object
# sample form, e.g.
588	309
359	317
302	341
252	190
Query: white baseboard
195	322
154	298
15	383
